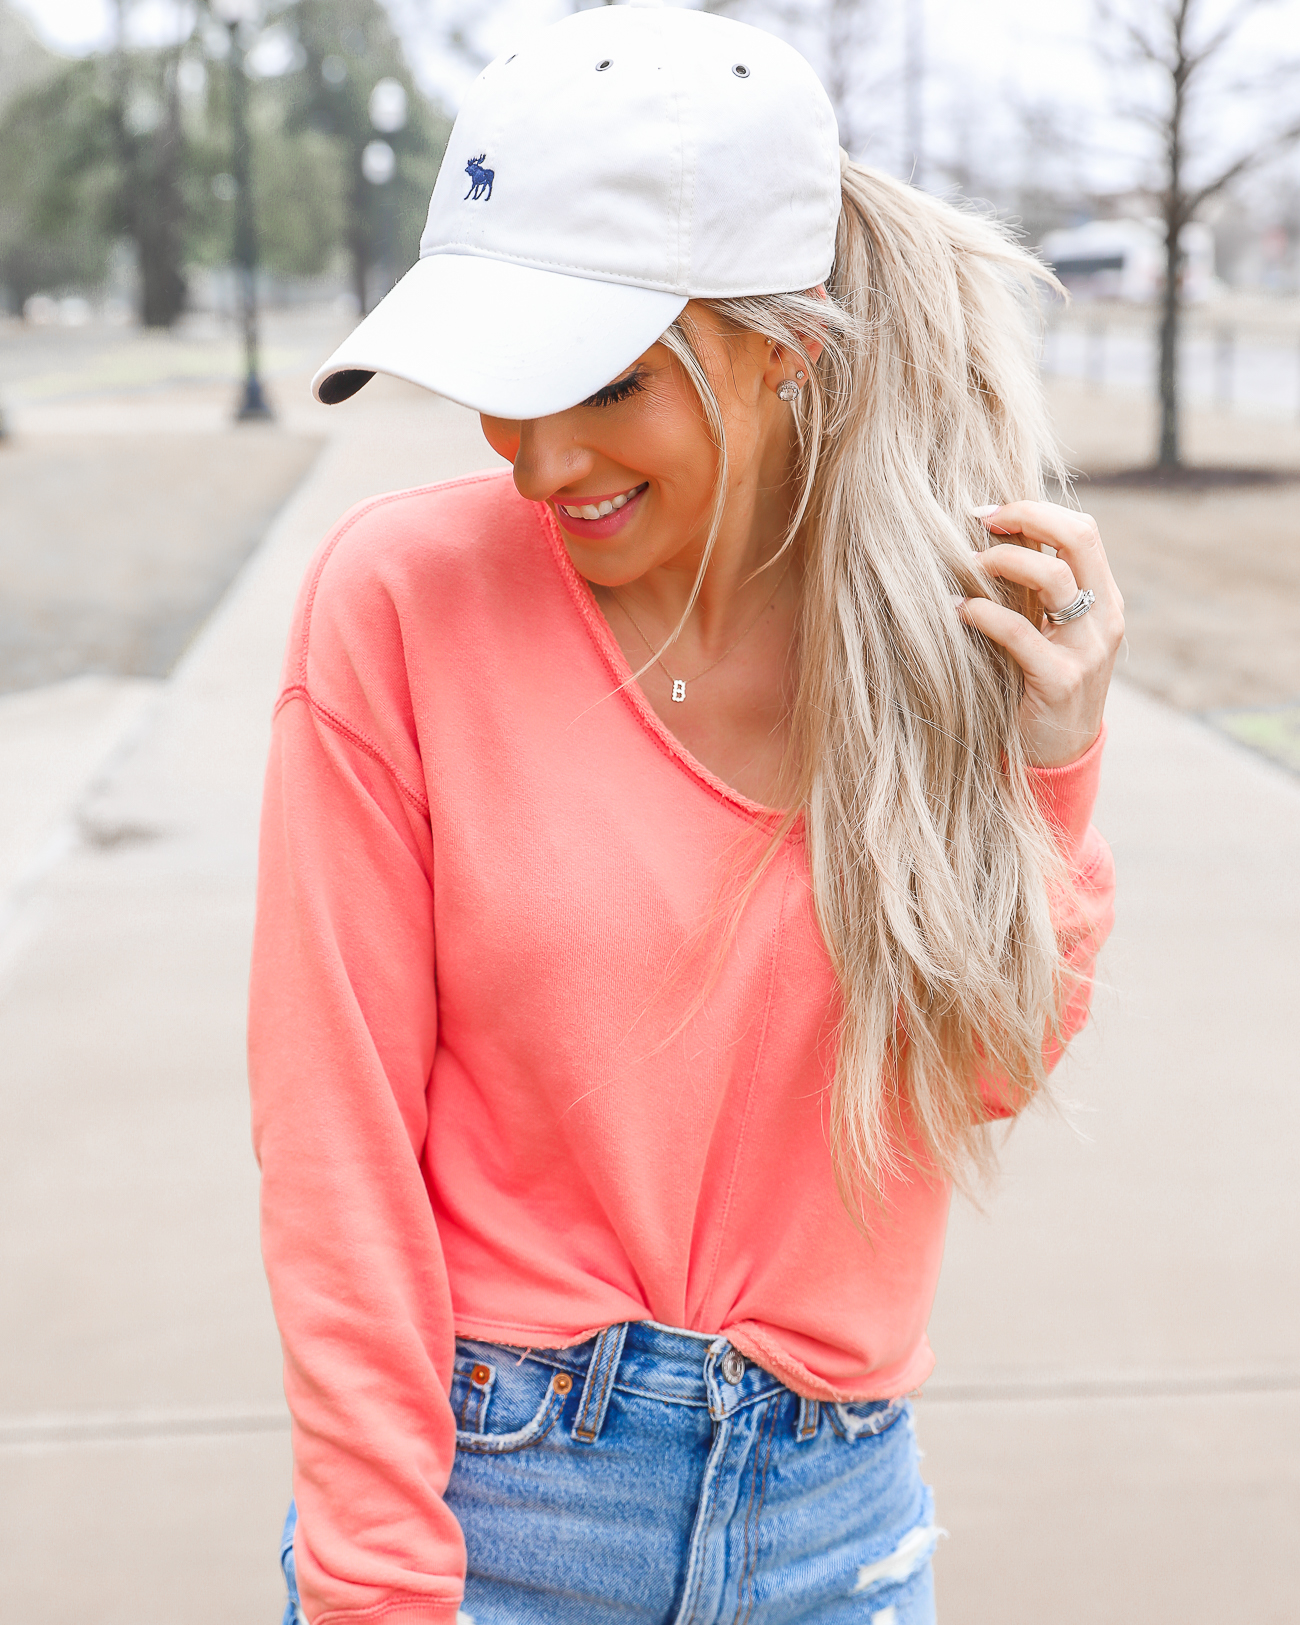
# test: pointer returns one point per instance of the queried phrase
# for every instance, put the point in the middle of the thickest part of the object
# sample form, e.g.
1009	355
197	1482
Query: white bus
1125	259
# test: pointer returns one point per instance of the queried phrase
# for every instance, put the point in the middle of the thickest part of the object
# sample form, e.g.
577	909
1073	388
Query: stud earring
800	376
787	390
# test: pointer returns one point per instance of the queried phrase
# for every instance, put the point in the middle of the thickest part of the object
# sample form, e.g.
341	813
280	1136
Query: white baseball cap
621	162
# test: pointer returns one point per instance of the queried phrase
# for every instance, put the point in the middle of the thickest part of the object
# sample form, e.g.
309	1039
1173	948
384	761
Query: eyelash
623	390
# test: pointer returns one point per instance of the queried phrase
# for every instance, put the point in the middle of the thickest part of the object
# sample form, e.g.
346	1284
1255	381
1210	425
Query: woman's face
630	473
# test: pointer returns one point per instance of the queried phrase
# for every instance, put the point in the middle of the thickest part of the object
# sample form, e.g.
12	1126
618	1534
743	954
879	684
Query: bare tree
843	40
459	29
148	139
842	24
1170	40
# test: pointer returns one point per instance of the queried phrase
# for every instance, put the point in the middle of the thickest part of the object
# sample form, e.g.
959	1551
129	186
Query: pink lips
598	529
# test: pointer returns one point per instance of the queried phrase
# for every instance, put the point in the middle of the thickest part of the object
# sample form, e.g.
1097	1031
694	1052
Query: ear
784	363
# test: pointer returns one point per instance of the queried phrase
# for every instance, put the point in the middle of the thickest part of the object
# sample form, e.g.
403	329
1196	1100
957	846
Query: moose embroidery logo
480	179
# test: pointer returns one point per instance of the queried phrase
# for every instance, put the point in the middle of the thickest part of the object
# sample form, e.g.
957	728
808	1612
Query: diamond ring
1081	605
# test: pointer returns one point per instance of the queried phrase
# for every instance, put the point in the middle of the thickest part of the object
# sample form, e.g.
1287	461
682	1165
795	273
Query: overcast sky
994	37
982	56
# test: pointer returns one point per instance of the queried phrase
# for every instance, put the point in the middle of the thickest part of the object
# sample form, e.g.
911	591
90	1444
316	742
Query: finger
1038	658
1072	535
1051	578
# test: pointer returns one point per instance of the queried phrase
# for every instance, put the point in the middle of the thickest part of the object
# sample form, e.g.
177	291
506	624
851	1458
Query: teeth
591	510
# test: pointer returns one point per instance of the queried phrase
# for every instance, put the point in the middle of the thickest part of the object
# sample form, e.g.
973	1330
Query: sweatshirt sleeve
342	1032
1084	915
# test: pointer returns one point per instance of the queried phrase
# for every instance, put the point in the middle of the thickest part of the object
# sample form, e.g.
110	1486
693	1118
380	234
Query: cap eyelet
601	66
740	70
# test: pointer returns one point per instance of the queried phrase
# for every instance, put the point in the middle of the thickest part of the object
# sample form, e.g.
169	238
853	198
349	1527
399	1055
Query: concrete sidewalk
1114	1424
143	1437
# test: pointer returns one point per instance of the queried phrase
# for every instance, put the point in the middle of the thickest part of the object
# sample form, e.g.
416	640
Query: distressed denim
652	1475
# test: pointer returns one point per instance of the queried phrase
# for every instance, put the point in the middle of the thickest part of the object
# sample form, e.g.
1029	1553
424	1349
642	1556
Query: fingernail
957	600
983	513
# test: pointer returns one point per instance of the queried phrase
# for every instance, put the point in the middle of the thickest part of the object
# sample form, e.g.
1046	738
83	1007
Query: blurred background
197	201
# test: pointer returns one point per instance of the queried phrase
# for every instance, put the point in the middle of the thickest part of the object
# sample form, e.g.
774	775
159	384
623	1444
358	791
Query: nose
549	458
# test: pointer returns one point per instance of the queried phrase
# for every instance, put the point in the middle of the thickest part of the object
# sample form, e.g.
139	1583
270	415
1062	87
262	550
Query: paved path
143	1437
1114	1425
1113	1429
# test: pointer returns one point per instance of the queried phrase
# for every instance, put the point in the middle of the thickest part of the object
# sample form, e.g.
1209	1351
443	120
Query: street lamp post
388	113
253	404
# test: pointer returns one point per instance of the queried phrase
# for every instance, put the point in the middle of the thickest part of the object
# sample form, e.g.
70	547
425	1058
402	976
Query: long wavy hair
932	866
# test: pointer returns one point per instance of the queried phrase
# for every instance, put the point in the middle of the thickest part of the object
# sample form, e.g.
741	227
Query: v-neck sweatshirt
506	1082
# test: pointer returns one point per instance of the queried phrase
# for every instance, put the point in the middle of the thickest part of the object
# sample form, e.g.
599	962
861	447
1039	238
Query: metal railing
1227	359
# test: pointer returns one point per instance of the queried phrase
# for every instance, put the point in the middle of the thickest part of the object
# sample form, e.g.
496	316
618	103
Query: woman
674	858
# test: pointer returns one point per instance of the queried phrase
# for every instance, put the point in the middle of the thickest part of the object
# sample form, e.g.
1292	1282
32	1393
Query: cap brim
504	339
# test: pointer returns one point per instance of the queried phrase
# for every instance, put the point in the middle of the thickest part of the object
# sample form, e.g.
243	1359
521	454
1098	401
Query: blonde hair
931	862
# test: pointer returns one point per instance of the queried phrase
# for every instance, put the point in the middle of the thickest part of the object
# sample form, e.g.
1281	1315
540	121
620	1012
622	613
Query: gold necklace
679	683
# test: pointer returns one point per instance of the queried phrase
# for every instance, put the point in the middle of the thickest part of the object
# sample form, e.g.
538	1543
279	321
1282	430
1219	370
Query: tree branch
1151	117
1196	60
1141	44
1272	148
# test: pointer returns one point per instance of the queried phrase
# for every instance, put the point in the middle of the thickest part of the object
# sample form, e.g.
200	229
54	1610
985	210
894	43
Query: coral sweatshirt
484	1100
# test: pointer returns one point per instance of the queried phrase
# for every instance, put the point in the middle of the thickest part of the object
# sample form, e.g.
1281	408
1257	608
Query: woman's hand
1067	668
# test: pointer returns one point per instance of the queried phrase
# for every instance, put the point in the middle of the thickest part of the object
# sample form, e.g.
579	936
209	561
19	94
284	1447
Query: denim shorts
656	1476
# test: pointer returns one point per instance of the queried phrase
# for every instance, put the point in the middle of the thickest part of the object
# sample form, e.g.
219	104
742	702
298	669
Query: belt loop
810	1412
599	1383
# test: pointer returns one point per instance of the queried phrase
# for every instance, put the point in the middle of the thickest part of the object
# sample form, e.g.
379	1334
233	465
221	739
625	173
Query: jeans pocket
502	1406
866	1418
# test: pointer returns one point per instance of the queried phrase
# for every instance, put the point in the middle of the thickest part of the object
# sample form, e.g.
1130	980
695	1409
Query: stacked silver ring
1081	605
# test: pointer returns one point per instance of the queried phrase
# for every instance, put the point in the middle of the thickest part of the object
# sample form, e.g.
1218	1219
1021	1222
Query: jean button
733	1366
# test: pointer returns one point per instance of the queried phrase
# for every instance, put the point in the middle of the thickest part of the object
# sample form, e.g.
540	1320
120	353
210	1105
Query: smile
602	508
